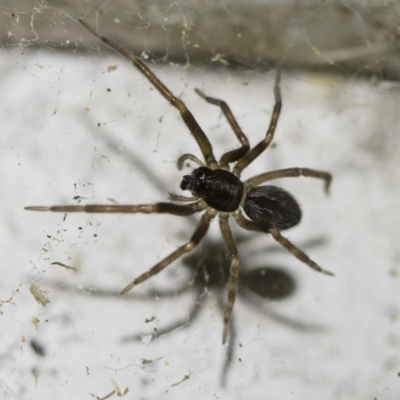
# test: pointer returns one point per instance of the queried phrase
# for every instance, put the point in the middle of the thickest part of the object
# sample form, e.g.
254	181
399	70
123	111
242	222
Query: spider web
79	124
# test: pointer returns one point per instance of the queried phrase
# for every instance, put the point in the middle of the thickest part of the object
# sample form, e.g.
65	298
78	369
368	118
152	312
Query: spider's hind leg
250	225
298	253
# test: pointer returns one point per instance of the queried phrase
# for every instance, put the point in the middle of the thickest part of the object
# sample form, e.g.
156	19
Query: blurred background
80	124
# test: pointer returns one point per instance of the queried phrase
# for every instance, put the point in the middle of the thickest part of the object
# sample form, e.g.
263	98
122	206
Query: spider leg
260	147
287	173
237	154
181	324
230	349
274	232
297	252
196	238
187	116
233	271
179	197
157	208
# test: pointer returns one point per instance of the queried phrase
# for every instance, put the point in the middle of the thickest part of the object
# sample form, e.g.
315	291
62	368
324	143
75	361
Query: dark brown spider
216	189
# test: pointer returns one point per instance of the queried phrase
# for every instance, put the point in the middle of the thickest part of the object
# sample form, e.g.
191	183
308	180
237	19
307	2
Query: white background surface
53	150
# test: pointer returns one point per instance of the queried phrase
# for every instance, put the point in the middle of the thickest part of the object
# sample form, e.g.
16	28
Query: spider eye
199	174
195	181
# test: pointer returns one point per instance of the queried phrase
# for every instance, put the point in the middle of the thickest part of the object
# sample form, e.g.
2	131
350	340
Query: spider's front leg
157	208
190	121
233	155
261	146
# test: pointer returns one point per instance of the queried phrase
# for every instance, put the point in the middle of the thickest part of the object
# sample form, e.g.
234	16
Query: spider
216	188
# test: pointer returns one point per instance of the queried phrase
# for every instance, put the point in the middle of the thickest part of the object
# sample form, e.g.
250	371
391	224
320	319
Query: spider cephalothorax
217	189
220	189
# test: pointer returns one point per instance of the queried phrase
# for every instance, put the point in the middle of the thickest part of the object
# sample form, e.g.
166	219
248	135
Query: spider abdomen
272	206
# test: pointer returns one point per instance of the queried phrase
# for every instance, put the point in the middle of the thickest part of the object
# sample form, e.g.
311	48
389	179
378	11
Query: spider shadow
258	285
208	271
